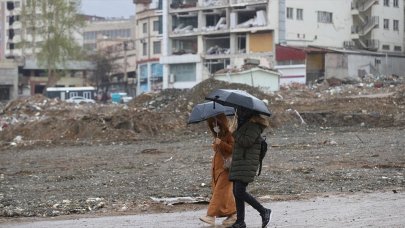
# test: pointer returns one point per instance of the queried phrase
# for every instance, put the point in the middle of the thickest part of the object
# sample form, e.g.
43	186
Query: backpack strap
260	168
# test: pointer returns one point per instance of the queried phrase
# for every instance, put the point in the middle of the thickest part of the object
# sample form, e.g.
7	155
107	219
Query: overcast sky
109	8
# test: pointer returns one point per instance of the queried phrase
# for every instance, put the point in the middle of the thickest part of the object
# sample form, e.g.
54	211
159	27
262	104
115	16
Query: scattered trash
180	200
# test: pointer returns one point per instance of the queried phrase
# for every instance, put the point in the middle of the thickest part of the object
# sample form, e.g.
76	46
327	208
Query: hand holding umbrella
206	110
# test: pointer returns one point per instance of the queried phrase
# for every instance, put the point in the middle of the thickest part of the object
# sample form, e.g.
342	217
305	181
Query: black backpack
263	151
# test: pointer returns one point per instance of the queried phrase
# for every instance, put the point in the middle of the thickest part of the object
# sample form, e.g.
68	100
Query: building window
300	14
386	24
156	47
290	13
144	28
156	26
160	24
396	25
386	2
144	49
386	47
396	3
397	48
325	17
183	72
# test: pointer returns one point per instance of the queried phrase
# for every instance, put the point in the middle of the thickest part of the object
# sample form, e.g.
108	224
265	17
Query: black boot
266	215
239	225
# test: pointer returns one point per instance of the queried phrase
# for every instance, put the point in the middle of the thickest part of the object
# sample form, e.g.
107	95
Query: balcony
214	3
183	4
184	45
185	23
247	2
362	5
372	44
248	18
349	44
362	30
142	1
369	44
214	20
180	59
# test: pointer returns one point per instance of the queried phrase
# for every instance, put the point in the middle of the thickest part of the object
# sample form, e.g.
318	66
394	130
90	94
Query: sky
108	8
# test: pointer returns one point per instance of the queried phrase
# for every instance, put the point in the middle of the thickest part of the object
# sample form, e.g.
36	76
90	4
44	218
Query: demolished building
202	37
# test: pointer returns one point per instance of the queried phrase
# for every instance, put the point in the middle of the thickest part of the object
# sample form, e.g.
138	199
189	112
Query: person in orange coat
222	203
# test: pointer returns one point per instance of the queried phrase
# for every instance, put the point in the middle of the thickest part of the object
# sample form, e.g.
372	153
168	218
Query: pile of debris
39	120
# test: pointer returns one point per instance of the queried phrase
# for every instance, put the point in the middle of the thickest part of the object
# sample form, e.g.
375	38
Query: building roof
244	70
284	53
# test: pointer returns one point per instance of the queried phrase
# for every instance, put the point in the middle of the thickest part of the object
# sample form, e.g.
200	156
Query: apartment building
378	25
347	39
149	35
21	40
204	36
201	37
11	28
2	31
373	25
21	36
107	28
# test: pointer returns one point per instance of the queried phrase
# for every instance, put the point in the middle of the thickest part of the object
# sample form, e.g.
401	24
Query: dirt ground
104	159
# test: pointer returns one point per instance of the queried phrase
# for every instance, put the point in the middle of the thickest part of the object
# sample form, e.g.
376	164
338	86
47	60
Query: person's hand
217	141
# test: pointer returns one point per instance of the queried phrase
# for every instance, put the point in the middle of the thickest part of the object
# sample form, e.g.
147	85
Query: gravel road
119	179
382	209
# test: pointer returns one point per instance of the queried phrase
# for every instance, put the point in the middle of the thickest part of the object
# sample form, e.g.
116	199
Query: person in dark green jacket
245	162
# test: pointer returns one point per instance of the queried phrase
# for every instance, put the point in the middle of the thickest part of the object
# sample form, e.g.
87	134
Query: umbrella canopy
209	109
239	98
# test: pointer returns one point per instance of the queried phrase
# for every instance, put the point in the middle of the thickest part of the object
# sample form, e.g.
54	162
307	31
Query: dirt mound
39	119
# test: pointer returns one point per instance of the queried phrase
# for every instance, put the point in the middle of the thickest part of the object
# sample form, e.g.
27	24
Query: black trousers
241	196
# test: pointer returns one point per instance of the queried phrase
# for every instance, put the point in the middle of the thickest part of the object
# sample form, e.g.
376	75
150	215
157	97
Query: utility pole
125	66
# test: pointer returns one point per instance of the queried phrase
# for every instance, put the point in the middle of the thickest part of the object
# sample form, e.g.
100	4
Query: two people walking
229	185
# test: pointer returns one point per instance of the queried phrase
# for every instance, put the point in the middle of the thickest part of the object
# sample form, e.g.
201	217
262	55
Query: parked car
126	99
79	100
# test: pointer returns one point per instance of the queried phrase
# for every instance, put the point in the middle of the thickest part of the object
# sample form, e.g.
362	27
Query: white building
109	29
375	25
20	39
149	25
201	37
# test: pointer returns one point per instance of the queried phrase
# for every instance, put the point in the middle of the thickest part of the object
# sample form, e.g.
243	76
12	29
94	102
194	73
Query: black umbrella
239	98
206	110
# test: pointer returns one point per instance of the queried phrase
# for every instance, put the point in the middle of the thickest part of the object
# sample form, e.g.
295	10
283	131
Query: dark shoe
239	225
266	216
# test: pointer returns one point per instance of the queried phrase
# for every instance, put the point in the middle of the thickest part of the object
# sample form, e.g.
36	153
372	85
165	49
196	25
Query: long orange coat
222	202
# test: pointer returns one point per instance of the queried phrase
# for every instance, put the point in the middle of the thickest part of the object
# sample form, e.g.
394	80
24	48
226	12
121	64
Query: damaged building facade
201	37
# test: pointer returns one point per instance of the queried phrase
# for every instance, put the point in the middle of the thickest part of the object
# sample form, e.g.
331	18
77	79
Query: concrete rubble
60	159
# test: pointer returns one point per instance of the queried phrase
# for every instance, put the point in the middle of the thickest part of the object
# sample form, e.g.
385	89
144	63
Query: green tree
51	26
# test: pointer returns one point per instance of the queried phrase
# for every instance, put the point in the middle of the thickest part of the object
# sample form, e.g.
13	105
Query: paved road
360	210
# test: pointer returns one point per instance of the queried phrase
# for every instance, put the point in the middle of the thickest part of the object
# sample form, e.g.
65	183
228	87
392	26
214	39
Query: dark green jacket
246	151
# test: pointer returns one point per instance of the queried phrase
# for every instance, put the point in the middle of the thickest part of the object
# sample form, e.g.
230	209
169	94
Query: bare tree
105	64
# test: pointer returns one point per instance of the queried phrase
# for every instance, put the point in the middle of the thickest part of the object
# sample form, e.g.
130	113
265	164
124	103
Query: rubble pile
38	119
110	159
